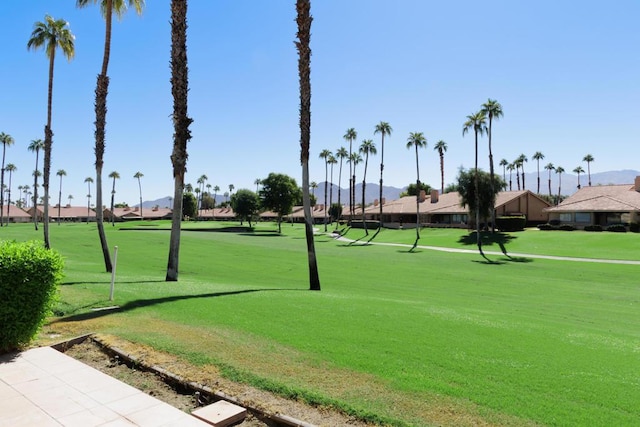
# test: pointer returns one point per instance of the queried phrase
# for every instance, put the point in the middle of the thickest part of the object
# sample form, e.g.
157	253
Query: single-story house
70	213
15	214
599	205
134	213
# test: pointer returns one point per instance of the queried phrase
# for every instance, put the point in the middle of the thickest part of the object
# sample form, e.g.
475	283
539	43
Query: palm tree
383	128
522	159
325	154
367	147
510	167
9	168
313	187
25	190
113	175
417	140
215	194
354	160
441	148
107	7
89	181
492	109
50	34
35	146
137	176
477	122
504	163
60	173
332	161
578	170
559	170
7	140
351	135
342	154
201	181
537	156
304	19
257	182
70	197
588	158
550	167
231	188
19	201
226	196
517	163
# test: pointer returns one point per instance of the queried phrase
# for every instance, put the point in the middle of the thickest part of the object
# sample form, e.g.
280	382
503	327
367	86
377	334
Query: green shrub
29	278
634	227
593	228
617	228
511	223
546	227
566	227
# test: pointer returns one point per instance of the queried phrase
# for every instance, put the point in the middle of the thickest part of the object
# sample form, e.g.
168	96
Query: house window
458	219
614	218
566	217
583	217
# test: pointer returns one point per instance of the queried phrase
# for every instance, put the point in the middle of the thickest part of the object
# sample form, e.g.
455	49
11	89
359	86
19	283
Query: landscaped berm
395	337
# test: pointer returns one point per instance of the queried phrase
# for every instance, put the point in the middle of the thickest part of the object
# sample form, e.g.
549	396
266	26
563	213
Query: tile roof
601	198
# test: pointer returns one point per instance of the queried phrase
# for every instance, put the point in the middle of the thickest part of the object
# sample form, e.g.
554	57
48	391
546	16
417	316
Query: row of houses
599	205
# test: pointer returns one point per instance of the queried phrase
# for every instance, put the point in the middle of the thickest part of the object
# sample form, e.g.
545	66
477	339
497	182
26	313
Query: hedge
29	279
511	223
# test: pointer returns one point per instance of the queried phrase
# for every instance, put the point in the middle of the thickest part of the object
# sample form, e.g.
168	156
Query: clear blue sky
567	74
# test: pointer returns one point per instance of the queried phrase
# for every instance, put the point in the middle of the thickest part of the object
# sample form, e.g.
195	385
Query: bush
617	228
546	227
29	278
511	223
554	222
593	228
634	227
566	227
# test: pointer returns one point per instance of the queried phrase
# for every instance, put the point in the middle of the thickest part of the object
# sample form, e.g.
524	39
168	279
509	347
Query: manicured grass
408	338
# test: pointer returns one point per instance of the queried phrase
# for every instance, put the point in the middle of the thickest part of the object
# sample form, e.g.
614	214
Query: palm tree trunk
180	90
477	199
113	194
4	147
339	191
417	201
441	172
101	114
364	184
381	173
326	177
48	141
330	191
35	192
493	183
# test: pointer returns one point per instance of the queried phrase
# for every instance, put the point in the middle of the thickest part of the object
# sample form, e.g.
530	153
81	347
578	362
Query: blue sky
565	72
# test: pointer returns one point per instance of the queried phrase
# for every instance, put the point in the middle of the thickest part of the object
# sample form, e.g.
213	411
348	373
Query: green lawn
410	338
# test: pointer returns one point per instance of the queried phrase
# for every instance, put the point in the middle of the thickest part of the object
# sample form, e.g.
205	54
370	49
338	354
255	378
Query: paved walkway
43	387
510	254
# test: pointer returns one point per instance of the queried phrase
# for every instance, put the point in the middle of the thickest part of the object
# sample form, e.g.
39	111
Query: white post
113	271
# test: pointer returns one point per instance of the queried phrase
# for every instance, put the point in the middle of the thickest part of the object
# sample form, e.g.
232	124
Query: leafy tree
189	205
493	110
35	146
60	173
367	147
245	203
326	155
50	34
441	148
113	175
578	170
537	156
477	122
181	122
412	190
335	210
351	135
483	195
278	194
207	201
6	140
383	128
588	158
120	205
304	19
417	140
550	167
137	176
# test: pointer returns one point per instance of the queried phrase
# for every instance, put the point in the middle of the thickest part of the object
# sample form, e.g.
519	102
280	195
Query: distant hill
372	192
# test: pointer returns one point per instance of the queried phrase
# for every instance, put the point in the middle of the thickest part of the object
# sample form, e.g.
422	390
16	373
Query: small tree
486	194
245	204
279	193
189	205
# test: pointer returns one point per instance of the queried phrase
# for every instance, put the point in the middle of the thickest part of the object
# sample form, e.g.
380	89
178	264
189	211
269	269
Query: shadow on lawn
132	305
107	282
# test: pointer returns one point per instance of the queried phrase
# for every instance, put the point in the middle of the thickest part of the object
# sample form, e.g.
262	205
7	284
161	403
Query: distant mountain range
372	191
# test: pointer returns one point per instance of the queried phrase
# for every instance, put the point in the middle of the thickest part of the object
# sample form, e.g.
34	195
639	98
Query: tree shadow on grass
487	239
140	303
107	282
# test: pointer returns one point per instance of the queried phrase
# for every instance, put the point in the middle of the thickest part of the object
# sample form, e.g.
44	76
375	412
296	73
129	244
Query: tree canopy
279	194
466	188
245	204
412	189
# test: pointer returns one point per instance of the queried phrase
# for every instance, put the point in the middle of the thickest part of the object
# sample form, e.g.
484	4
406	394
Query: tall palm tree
60	173
201	182
107	8
89	181
550	167
332	161
25	190
517	163
342	154
477	122
215	194
351	135
325	154
383	128
588	158
6	140
367	147
522	159
537	156
441	148
417	140
70	197
11	168
354	160
493	110
50	34
113	175
19	201
559	170
137	176
231	188
313	187
511	167
304	19
226	196
35	146
578	170
504	163
257	182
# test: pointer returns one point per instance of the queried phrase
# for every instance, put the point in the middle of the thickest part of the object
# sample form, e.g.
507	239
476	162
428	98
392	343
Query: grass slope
407	338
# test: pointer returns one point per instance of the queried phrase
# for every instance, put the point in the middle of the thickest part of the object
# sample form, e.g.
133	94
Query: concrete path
43	387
